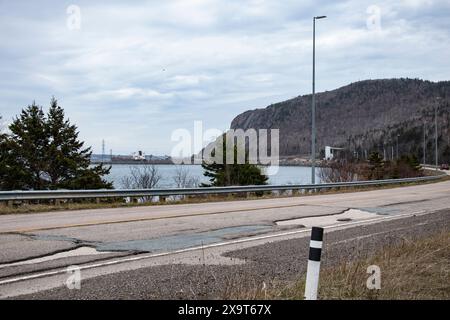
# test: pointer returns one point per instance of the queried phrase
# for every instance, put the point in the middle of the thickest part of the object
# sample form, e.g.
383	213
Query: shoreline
140	163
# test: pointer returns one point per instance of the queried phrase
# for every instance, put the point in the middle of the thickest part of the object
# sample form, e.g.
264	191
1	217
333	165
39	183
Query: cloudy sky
133	72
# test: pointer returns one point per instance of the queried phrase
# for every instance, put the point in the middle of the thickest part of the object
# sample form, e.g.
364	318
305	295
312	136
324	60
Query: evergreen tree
232	174
68	162
45	153
413	163
446	155
6	175
25	147
376	166
408	166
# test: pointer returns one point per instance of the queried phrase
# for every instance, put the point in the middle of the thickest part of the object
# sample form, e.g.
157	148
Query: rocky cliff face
361	117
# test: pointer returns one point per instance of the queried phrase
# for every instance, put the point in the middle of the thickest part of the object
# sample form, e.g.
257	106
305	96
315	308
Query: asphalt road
115	247
246	270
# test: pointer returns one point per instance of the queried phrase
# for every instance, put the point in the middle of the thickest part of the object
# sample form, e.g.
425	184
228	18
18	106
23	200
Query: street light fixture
313	111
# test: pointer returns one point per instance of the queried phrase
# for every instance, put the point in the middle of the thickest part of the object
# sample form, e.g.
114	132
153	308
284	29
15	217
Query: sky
133	72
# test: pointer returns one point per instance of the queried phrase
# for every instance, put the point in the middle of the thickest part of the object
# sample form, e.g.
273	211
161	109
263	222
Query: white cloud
416	3
128	93
140	70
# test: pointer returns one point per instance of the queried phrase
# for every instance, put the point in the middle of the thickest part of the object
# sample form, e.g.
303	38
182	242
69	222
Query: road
114	246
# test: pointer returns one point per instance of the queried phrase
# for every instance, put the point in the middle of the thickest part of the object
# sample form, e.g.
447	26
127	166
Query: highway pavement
113	247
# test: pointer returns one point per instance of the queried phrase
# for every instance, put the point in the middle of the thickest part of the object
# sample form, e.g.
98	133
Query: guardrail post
313	270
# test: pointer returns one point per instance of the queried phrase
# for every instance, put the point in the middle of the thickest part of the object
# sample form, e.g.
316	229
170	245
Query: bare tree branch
183	179
339	171
141	177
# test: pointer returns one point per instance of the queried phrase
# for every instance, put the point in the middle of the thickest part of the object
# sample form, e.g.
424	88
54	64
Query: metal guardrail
135	193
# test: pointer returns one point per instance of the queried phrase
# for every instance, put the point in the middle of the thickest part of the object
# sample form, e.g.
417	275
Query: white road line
213	245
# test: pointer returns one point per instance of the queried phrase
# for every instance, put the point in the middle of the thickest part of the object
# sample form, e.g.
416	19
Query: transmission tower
103	150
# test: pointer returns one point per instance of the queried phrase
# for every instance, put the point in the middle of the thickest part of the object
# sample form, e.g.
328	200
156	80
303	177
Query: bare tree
183	179
141	177
339	171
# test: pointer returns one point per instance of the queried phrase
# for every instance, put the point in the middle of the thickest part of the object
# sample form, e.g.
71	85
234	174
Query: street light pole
313	110
397	145
424	143
436	131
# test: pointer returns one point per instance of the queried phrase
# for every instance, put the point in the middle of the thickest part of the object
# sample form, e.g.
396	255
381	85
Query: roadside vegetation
409	270
141	177
232	174
375	168
43	152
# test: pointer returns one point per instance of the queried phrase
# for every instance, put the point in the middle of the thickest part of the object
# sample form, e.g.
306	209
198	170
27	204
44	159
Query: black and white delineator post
312	273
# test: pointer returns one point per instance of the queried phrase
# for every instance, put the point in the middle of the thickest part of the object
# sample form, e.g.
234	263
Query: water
285	175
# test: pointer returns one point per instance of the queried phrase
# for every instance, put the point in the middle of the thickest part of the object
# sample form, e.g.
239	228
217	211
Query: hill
362	117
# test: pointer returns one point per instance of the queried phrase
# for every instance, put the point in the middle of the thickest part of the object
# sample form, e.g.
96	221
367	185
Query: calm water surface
285	175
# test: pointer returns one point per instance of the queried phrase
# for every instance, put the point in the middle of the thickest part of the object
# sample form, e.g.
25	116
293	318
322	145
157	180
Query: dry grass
410	270
40	208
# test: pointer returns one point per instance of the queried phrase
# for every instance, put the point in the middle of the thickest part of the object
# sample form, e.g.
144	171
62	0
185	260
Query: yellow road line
100	222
